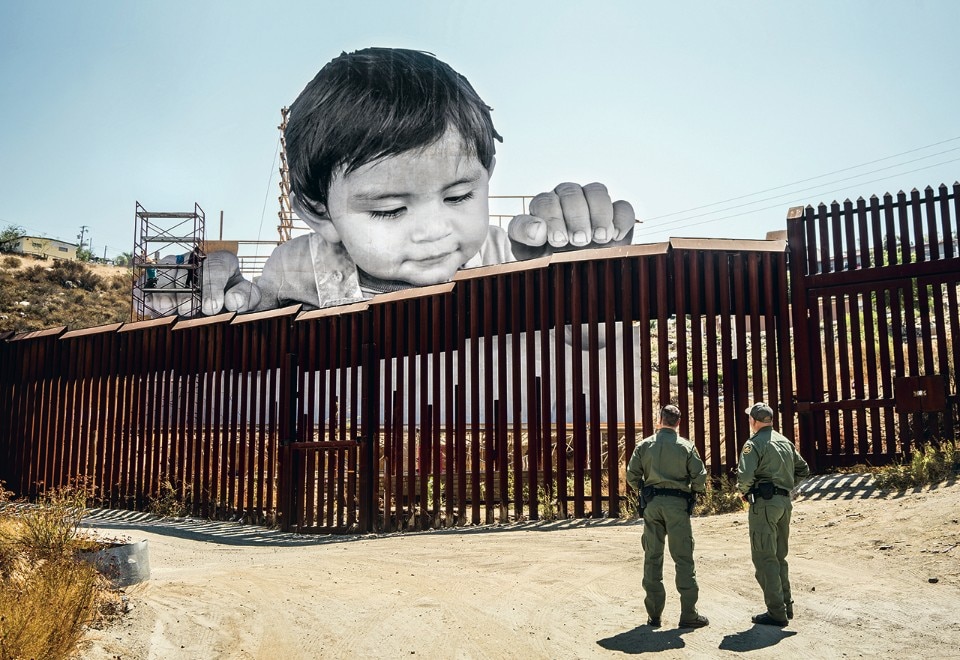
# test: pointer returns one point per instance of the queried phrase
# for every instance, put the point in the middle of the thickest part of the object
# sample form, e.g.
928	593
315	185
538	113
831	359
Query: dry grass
48	596
44	294
721	497
930	464
44	611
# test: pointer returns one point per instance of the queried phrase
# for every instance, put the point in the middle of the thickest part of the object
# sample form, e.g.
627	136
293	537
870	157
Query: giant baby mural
391	153
390	156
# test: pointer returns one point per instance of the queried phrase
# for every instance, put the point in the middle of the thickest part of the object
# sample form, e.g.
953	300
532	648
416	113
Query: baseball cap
760	412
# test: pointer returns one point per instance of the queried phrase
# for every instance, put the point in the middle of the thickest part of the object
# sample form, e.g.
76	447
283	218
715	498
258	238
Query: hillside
37	294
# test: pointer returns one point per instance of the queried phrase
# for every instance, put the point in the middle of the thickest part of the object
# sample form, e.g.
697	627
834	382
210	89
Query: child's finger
576	213
527	230
547	207
218	269
601	213
243	297
624	219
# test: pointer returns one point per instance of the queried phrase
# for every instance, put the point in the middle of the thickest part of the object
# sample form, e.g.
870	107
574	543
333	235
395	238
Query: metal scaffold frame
179	237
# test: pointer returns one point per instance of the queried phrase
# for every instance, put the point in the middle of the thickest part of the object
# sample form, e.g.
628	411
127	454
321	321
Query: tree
124	259
84	254
9	236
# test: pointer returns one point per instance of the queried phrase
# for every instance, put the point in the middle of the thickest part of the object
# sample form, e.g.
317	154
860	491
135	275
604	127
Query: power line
780	206
819	176
827	183
266	194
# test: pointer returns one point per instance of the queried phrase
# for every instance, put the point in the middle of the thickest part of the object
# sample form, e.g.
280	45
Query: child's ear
316	216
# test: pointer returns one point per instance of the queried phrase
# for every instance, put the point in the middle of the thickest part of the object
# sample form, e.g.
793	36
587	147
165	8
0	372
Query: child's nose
431	225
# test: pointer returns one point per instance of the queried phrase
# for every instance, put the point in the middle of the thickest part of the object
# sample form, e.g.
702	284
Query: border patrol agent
768	470
666	471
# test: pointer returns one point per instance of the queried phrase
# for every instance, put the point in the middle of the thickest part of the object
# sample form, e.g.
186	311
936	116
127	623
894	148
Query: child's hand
571	217
225	287
157	282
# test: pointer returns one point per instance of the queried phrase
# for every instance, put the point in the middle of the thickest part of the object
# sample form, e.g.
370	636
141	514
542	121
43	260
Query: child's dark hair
379	102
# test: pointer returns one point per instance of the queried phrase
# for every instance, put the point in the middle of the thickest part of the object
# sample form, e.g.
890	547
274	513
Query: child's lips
434	259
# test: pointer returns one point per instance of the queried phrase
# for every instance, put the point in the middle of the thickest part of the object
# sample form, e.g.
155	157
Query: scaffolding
167	254
290	225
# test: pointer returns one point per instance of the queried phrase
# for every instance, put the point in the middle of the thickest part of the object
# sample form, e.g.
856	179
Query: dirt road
873	576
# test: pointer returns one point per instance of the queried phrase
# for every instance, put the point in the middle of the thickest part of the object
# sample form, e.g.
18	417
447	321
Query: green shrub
722	496
48	529
47	595
168	503
631	505
929	464
547	504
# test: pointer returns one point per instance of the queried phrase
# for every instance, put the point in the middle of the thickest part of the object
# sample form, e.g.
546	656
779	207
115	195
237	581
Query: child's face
415	217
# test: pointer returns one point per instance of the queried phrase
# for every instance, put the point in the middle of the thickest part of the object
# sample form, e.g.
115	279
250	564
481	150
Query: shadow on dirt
756	637
644	639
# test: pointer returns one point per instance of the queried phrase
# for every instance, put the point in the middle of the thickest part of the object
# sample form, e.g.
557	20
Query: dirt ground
873	576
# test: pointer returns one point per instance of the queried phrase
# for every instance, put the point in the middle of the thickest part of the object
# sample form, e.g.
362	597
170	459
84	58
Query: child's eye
459	199
389	213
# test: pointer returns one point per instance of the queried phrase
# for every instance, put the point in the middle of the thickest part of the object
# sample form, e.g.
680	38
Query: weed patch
48	596
722	496
168	503
930	464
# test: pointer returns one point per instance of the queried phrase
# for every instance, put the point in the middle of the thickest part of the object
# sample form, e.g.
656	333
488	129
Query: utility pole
83	232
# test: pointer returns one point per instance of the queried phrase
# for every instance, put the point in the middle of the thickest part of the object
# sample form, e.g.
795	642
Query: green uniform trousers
666	517
769	537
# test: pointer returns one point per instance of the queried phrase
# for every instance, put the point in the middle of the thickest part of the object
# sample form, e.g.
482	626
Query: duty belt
758	489
673	492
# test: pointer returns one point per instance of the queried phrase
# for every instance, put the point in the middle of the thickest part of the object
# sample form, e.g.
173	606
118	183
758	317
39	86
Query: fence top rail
729	244
187	323
622	252
416	292
336	310
38	334
148	323
96	330
290	310
501	269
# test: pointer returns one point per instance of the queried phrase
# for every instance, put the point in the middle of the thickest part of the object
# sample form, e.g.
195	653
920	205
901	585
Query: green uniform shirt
666	460
770	457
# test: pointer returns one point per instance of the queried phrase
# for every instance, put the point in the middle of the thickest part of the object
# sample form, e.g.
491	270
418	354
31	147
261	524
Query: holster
765	489
647	493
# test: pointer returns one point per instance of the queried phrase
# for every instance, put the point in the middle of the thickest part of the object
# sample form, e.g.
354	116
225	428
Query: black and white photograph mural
390	156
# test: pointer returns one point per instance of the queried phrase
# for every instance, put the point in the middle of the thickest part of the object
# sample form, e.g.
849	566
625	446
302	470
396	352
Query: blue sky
674	105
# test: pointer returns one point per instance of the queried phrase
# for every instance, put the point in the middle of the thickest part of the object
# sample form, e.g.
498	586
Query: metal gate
322	482
876	330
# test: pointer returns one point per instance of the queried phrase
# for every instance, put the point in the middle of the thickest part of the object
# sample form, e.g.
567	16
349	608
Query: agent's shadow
644	639
756	637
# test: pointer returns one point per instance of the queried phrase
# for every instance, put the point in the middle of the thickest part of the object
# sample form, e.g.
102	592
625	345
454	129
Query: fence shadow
855	486
241	534
208	531
839	486
820	487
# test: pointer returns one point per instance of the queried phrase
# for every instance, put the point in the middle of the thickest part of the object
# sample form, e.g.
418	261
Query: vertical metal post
369	411
289	467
